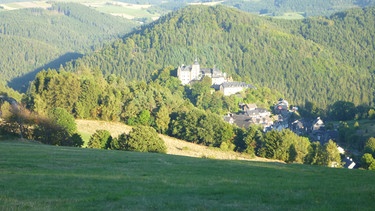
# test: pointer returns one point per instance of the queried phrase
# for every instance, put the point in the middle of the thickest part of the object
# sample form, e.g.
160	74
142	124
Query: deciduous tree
142	139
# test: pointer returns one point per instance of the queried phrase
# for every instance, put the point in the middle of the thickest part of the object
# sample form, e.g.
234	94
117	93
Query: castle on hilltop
194	72
220	81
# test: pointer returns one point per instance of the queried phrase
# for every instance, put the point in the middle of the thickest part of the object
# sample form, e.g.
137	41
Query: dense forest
318	59
33	39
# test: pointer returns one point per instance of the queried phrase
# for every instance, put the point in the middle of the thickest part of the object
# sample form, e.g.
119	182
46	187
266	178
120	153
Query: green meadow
41	177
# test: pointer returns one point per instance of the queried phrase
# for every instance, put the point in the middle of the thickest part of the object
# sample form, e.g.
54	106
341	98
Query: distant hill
318	59
32	39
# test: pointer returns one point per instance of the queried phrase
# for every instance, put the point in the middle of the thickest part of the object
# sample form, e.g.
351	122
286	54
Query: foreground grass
40	177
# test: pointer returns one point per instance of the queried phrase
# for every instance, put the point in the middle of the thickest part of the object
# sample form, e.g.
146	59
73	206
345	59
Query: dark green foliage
199	127
142	139
284	145
263	97
331	155
249	140
349	136
144	118
51	89
183	125
88	98
75	141
212	130
48	132
327	155
275	147
162	119
311	110
64	119
101	139
368	161
342	111
315	154
370	146
86	94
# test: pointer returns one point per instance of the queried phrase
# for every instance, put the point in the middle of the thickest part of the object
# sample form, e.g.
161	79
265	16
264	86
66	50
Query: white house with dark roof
230	88
317	124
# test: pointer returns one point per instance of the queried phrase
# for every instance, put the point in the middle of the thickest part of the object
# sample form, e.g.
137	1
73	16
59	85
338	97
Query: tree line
162	105
55	98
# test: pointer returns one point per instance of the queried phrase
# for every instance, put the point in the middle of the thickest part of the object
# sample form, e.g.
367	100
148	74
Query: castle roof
236	84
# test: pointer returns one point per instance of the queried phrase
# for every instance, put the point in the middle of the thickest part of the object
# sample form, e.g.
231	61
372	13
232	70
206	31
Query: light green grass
291	16
123	10
40	177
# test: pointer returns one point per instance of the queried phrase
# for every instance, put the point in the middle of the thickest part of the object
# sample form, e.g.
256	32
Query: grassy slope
42	177
174	146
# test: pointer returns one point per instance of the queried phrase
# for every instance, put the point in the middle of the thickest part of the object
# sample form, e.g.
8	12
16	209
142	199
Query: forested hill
31	39
319	60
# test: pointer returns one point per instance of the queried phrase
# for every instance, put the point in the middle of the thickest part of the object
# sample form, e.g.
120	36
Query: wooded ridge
321	60
33	39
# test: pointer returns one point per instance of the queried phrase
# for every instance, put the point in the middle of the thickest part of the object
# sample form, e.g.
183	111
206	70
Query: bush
101	139
142	139
368	162
370	146
74	141
64	119
227	146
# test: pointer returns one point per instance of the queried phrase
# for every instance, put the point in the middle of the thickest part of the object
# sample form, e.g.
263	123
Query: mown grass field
40	177
117	8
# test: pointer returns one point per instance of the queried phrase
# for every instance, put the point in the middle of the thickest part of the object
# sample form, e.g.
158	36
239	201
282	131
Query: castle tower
195	70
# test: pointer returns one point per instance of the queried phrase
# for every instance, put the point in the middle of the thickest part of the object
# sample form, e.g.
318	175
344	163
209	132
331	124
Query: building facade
194	72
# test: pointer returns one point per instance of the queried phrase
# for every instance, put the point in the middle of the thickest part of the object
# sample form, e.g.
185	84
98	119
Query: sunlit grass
40	177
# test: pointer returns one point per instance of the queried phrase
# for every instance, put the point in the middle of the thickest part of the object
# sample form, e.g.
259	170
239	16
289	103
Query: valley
187	105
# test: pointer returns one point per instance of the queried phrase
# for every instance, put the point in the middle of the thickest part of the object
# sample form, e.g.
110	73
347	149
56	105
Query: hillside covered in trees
318	59
33	39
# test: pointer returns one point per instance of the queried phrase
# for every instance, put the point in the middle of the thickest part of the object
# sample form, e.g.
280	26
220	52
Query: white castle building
186	74
194	72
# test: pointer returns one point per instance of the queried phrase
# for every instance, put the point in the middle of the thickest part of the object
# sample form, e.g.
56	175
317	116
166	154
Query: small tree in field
64	119
101	139
331	155
370	146
368	162
142	139
74	141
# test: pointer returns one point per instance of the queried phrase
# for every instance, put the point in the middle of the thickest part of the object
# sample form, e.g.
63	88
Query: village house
250	114
281	106
298	127
317	124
